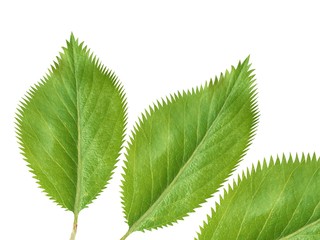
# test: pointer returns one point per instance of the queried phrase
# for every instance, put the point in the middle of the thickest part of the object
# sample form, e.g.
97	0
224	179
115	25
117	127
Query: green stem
126	235
74	229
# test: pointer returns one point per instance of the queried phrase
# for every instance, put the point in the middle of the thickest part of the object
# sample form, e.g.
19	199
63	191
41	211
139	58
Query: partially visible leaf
183	149
281	201
70	127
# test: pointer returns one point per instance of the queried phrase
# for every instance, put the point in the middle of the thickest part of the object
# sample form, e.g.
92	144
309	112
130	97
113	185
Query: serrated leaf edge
29	94
173	98
246	173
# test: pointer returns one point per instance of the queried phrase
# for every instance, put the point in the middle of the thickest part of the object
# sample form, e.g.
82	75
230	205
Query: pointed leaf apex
72	37
189	122
49	114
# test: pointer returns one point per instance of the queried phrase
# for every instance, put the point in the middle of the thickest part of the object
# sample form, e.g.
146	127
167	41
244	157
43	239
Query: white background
156	49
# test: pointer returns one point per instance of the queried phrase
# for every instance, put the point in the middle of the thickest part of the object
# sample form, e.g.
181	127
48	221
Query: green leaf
281	201
183	149
70	127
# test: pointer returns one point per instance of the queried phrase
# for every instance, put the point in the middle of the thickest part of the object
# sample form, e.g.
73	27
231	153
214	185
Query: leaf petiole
74	228
126	235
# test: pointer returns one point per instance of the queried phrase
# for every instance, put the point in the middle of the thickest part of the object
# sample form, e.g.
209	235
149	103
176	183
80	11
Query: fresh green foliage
184	147
281	201
71	126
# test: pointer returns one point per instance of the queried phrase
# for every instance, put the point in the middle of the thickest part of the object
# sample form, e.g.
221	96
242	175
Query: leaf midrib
300	230
77	203
167	189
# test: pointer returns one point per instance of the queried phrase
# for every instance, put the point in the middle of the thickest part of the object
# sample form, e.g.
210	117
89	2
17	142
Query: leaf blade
71	125
178	134
276	202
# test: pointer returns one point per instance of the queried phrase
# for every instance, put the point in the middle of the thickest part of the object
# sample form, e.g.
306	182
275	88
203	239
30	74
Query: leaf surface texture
71	125
281	201
184	147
